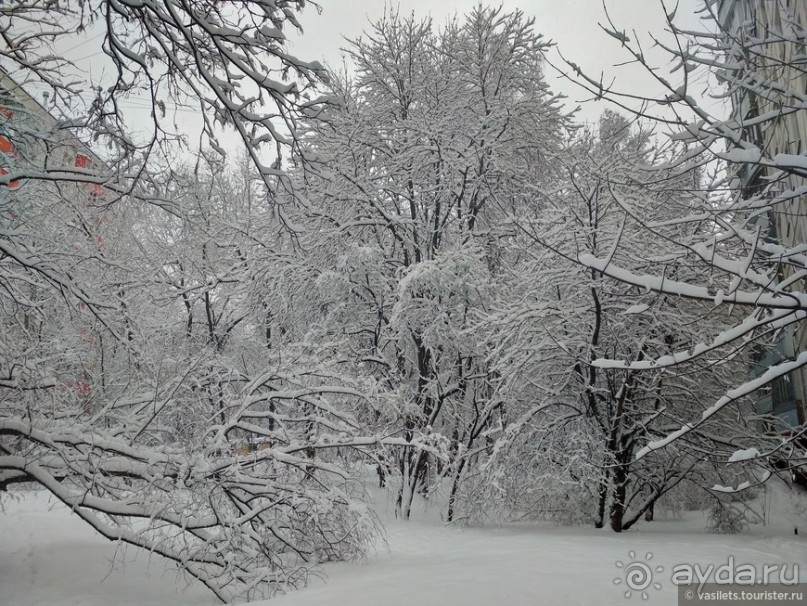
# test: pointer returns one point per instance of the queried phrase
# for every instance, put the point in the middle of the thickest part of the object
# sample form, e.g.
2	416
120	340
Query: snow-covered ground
49	557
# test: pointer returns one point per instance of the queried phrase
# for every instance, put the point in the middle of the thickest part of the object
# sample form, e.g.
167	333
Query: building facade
31	141
773	37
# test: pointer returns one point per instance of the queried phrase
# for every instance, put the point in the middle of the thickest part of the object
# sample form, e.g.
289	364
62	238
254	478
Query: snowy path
553	567
50	558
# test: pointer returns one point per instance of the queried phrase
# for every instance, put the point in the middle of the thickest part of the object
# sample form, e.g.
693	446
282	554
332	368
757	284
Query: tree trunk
620	485
603	490
455	484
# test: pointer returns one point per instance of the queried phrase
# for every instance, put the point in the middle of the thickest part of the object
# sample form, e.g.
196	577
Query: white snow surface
744	454
637	309
748	154
49	557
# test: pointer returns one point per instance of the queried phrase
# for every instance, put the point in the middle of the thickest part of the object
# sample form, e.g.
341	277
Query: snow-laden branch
741	391
785	300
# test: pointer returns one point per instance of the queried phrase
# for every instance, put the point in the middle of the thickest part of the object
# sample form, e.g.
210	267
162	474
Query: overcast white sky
571	24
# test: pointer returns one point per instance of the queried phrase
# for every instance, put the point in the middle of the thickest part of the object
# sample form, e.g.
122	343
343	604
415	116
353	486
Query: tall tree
564	317
412	176
751	258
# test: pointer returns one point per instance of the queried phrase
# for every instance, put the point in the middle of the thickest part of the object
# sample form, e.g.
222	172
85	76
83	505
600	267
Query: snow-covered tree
745	238
139	390
576	426
228	62
140	382
411	178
